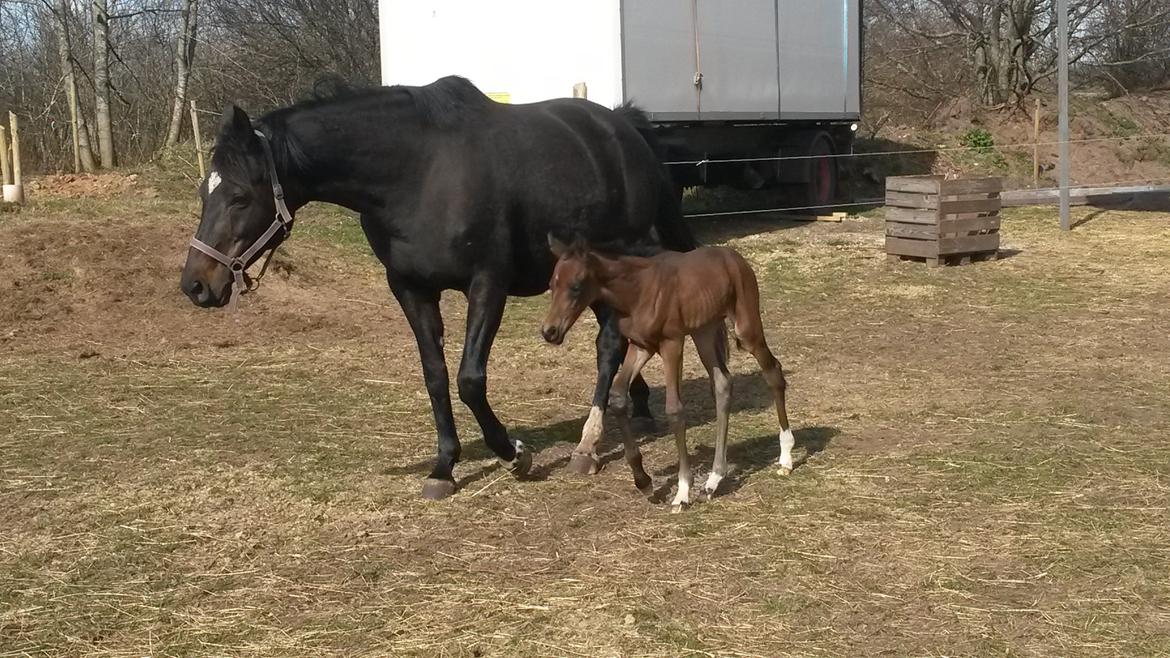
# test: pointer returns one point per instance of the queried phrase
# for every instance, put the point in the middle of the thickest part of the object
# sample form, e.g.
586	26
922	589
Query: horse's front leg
485	308
611	350
421	307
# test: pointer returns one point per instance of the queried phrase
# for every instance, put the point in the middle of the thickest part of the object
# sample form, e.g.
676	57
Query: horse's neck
354	160
622	279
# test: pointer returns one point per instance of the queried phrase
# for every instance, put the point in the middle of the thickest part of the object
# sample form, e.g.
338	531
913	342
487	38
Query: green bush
978	140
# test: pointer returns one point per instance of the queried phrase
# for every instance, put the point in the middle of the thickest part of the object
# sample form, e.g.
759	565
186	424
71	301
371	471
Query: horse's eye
239	201
575	289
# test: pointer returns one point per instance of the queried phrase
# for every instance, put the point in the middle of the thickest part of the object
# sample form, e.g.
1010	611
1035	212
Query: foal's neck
621	279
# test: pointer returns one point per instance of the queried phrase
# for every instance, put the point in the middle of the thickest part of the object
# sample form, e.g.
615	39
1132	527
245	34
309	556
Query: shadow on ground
751	393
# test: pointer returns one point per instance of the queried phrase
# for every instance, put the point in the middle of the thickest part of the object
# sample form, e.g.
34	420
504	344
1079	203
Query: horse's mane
444	102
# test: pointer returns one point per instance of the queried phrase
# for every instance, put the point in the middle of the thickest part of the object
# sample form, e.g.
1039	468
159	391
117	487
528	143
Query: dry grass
988	470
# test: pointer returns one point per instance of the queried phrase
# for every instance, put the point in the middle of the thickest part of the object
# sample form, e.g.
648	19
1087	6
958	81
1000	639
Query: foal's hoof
435	489
521	465
643	424
582	464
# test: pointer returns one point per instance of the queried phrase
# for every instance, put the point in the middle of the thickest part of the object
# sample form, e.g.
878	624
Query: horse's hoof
679	508
582	464
785	471
522	464
436	489
643	424
645	485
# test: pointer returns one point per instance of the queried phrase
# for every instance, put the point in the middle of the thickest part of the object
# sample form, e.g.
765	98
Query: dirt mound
90	186
111	288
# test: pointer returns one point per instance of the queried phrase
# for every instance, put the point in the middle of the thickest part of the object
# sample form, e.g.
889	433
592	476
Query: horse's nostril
549	333
196	288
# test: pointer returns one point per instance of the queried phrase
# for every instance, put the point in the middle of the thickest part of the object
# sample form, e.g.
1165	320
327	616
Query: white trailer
719	78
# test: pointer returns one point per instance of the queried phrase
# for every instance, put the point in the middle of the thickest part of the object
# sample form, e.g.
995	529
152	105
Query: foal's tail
673	231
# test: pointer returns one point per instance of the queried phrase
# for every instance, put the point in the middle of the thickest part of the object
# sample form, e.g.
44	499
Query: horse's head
574	287
243	214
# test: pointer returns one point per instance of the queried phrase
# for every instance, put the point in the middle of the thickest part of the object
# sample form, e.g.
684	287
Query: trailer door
816	62
737	59
658	52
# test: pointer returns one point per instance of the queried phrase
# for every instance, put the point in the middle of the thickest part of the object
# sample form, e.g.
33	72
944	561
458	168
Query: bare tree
101	82
68	68
184	58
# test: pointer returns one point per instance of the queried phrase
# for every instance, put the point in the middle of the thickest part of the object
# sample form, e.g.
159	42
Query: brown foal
660	301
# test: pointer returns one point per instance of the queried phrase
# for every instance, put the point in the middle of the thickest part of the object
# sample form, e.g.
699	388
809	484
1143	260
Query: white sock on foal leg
787	441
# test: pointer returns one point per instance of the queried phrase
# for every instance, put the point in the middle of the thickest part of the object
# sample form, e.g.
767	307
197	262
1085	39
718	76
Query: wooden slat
963	245
911	216
913	231
971	186
968	225
978	205
904	247
916	184
911	200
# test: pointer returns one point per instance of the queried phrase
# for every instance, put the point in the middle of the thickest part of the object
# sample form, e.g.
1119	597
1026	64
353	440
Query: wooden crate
937	220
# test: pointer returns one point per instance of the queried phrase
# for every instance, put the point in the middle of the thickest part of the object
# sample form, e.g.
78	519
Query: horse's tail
673	231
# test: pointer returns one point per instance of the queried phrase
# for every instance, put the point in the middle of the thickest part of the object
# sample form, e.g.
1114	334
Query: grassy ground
985	461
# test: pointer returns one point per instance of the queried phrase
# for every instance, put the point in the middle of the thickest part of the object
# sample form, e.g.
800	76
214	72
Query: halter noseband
282	222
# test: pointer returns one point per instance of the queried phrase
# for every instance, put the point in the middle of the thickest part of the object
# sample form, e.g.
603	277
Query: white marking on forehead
213	181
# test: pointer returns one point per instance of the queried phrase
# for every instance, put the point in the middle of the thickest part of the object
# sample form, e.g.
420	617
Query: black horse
455	192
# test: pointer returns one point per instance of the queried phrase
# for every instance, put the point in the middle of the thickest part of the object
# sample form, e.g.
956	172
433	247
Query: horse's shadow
750	393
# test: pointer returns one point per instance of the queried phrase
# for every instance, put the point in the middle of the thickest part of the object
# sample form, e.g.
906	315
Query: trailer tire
819	188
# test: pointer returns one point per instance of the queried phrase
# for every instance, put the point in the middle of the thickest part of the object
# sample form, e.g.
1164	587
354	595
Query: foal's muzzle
552	334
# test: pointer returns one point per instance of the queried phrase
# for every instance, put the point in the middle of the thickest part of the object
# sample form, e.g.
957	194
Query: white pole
1062	55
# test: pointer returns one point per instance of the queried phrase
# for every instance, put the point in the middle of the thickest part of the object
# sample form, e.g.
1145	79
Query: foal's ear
236	120
558	248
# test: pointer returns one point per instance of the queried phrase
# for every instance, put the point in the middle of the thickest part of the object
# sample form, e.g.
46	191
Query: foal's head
238	206
574	287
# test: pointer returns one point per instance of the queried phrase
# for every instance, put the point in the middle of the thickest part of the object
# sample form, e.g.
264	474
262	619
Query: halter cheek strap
282	223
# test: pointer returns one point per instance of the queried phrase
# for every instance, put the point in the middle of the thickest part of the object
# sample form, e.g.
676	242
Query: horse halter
281	223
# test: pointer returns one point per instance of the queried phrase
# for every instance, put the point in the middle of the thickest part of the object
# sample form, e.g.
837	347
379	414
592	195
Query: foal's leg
421	307
749	328
711	342
672	356
486	298
619	403
611	348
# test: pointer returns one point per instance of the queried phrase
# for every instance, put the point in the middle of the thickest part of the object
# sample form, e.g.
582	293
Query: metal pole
1062	54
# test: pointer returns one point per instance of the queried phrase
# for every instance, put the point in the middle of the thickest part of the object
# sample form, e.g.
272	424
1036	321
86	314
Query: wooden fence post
14	191
198	140
5	172
1036	147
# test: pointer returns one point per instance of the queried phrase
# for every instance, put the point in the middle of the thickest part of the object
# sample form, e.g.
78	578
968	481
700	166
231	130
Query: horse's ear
236	120
558	248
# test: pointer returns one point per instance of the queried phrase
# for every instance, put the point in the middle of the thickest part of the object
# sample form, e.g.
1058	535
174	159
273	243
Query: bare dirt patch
91	186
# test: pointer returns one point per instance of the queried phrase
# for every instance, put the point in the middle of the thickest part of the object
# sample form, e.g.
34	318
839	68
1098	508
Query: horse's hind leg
619	404
485	308
711	343
750	331
672	356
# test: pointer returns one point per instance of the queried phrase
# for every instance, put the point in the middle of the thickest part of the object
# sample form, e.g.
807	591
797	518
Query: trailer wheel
821	187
